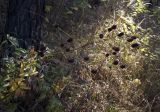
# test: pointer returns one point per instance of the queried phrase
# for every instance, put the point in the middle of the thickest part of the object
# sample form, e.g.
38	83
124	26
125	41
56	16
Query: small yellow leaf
143	49
13	87
136	82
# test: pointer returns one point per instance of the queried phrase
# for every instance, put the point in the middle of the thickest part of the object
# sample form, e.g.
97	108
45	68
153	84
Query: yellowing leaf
136	82
13	87
143	50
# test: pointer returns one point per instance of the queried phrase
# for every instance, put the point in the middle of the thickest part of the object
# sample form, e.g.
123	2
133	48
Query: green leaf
69	12
6	85
74	8
48	8
13	40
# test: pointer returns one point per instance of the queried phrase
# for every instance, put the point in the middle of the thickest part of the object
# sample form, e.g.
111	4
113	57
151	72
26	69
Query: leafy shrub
22	81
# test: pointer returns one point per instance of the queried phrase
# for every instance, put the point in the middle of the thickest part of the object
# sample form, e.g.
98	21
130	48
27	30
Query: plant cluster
97	66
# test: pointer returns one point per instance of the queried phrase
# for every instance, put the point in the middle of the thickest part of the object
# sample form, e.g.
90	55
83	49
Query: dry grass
92	68
98	84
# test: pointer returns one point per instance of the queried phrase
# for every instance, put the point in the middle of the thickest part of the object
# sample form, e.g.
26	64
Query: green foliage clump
24	79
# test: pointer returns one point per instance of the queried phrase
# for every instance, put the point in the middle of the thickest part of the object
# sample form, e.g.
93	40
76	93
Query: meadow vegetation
96	56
